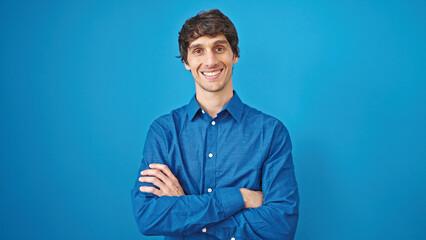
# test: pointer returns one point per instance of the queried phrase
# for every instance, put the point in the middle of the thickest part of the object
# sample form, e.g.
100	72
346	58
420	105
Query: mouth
212	74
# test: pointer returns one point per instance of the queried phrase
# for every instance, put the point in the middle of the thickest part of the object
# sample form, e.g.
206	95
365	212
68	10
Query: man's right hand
161	176
252	199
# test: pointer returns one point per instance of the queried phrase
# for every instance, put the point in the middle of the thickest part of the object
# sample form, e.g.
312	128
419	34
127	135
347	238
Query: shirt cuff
231	199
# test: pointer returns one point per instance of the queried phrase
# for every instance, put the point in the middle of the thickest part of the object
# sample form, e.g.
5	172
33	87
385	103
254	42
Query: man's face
210	60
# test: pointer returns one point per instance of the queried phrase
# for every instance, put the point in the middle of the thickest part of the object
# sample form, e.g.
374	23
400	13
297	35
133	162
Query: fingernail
150	165
140	179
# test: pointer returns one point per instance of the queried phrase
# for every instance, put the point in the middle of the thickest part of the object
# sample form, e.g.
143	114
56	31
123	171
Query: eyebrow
215	43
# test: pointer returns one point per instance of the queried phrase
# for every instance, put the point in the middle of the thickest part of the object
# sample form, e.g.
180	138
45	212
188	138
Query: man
215	168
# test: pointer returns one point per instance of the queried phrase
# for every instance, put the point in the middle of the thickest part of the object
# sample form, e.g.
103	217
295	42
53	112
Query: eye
220	49
197	51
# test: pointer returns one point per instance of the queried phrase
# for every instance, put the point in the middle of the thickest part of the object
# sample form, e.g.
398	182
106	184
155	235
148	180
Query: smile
211	74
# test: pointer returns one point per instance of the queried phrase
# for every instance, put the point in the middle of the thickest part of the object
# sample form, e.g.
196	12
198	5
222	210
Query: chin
213	88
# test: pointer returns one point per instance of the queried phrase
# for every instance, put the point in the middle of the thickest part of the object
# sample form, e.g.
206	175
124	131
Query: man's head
210	23
208	44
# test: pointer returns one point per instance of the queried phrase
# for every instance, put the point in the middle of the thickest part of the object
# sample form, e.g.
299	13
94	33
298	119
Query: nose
211	60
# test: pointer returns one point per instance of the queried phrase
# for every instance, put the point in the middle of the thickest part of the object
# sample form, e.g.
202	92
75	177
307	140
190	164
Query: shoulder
260	119
167	122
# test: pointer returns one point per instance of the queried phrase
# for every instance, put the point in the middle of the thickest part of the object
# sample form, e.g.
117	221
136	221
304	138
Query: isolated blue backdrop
81	81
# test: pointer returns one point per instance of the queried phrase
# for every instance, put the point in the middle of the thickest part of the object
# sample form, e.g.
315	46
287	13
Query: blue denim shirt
212	158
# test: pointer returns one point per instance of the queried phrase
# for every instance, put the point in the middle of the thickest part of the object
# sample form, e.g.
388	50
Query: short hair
210	23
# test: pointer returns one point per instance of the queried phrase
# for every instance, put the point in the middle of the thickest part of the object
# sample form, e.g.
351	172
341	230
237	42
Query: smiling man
215	168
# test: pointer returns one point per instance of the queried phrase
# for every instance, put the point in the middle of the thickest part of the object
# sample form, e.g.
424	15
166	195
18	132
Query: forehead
205	41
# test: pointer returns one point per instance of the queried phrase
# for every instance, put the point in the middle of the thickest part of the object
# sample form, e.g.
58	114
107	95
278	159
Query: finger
168	184
170	179
156	173
154	181
152	190
165	169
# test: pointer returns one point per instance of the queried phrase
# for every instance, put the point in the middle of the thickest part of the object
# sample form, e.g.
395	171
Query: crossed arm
162	208
168	185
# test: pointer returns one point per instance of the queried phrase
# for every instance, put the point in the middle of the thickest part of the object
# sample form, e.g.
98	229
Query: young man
215	168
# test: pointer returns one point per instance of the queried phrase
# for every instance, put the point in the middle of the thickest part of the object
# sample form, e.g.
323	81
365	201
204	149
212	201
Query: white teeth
211	73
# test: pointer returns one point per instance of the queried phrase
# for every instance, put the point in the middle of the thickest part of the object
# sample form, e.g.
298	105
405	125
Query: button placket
211	156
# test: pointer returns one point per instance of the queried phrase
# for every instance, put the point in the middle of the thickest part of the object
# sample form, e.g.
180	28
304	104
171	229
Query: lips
211	74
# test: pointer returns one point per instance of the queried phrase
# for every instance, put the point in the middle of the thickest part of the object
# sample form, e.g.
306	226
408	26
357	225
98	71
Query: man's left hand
161	176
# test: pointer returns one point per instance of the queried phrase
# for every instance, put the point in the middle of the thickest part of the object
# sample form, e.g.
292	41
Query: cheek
194	74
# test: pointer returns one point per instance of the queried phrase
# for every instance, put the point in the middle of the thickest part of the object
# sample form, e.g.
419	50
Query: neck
213	102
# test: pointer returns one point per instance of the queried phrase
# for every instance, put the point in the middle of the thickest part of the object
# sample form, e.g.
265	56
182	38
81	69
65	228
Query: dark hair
210	23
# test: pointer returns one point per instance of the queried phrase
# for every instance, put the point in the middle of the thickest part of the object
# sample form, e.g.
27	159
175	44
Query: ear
235	59
187	66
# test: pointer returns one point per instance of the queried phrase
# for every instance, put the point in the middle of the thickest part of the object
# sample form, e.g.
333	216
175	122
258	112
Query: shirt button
232	238
204	230
202	111
213	123
209	190
210	155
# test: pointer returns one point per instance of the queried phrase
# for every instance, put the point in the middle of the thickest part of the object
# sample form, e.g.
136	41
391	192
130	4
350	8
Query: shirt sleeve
182	215
277	217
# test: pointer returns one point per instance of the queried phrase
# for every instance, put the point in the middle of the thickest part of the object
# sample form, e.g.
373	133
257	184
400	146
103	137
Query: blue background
81	82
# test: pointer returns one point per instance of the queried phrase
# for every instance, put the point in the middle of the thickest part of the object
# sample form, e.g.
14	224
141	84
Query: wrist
243	193
252	199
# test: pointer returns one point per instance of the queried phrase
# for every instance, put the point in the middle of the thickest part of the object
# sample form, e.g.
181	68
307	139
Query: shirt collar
192	108
234	107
